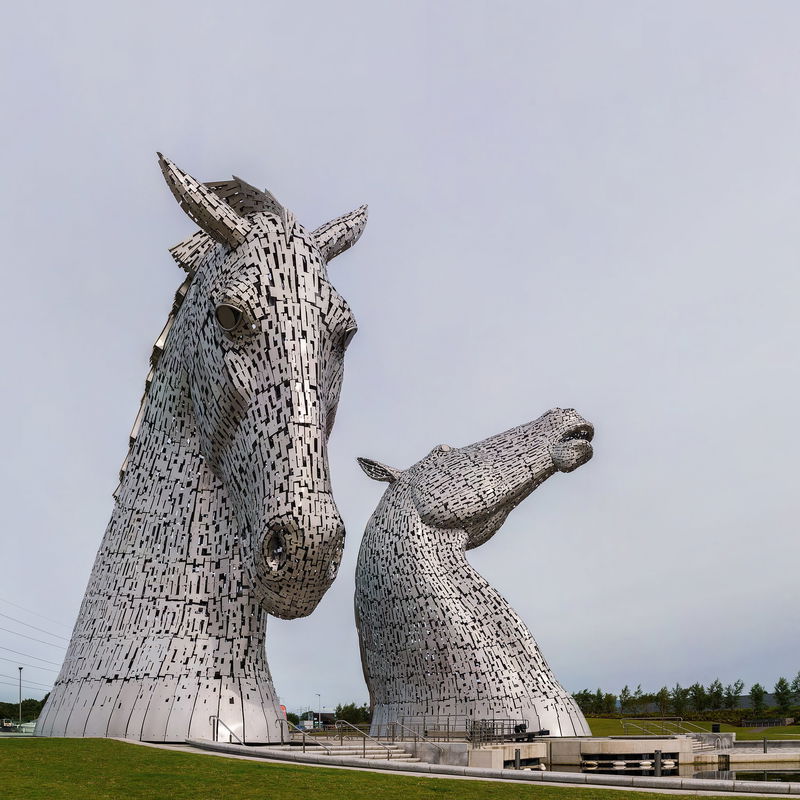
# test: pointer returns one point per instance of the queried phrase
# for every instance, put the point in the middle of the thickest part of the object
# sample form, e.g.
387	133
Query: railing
653	726
672	726
340	723
417	737
767	723
645	729
434	728
490	731
722	744
215	723
317	743
448	727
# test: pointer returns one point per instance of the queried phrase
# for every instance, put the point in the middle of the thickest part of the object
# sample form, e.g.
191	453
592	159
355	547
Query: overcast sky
585	204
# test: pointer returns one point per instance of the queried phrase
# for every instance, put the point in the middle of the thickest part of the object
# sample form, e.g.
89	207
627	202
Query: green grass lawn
613	727
101	769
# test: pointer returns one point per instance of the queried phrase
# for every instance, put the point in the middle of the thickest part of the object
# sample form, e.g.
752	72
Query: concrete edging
638	781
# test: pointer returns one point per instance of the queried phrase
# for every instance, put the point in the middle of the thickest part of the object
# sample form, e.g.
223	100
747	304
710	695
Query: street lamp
319	703
20	695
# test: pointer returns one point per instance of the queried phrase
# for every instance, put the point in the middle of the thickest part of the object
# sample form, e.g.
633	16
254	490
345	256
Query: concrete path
685	786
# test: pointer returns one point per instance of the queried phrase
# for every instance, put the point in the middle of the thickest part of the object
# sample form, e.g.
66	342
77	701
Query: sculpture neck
431	555
168	631
168	574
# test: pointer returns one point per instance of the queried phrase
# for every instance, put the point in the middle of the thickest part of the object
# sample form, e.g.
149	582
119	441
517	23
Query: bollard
657	765
517	759
765	744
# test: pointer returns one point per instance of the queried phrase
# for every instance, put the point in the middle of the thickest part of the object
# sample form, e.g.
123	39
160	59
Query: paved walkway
570	780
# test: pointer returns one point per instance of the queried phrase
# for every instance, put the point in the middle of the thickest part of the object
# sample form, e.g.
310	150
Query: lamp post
20	695
319	703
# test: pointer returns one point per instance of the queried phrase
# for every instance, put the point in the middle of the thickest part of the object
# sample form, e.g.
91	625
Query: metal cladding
224	512
439	645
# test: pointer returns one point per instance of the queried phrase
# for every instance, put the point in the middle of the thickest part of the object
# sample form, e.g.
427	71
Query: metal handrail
340	722
650	725
722	744
303	731
686	725
279	721
215	728
647	731
418	735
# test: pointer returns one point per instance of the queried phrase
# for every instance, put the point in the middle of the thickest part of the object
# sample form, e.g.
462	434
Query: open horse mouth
584	431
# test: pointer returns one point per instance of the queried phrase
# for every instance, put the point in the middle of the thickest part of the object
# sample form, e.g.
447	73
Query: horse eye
229	317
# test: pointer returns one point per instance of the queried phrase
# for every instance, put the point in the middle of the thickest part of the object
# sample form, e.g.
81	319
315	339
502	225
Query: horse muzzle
295	565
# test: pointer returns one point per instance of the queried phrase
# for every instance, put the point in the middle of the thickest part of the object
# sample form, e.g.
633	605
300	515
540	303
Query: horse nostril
274	550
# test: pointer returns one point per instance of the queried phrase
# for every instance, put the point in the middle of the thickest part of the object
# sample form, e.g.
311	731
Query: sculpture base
164	709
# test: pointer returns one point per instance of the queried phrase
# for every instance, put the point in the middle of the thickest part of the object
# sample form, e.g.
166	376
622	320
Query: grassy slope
101	769
613	727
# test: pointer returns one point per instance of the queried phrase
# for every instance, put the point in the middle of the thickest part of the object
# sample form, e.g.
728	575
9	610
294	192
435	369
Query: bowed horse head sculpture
474	488
264	354
440	646
224	512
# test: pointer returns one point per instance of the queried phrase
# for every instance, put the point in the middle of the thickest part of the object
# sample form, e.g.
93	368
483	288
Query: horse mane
245	200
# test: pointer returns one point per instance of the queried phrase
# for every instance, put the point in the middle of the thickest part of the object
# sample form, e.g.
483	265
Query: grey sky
579	204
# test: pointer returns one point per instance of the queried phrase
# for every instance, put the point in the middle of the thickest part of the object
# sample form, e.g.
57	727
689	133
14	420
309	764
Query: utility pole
20	695
319	703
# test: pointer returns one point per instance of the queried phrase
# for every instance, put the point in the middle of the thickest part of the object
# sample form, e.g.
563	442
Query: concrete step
359	750
406	758
359	746
393	753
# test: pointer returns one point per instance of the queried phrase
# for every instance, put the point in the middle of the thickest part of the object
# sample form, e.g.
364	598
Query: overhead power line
41	641
23	664
35	614
28	625
28	655
35	683
24	686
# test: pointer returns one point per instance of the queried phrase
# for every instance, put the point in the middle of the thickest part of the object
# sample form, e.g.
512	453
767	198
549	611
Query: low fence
456	728
767	723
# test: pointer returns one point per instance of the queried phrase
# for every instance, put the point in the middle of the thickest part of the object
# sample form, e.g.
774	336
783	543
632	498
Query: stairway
371	751
389	751
701	745
319	751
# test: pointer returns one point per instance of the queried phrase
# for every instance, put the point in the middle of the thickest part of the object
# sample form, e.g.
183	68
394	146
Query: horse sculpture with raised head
224	512
439	646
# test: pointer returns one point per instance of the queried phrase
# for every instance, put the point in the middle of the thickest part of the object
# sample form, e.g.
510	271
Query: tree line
349	712
30	709
695	698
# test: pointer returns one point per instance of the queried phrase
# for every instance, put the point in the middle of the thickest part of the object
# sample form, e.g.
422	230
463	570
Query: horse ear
378	471
204	206
340	234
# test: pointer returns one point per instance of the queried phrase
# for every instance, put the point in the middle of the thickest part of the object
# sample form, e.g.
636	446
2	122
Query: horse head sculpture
439	645
474	488
224	512
264	354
